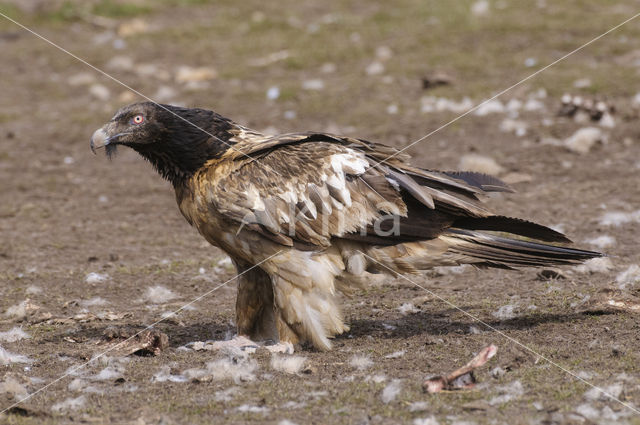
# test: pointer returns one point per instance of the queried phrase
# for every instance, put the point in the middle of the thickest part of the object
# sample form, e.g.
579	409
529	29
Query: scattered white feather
69	404
164	375
21	310
491	107
594	265
293	405
533	105
33	289
584	139
408	308
93	302
431	420
603	241
629	277
588	411
253	409
159	294
360	362
603	394
77	385
378	379
7	358
237	367
13	387
396	354
480	163
391	391
227	394
288	364
418	406
108	373
440	104
96	277
518	127
618	218
13	335
505	312
507	393
445	270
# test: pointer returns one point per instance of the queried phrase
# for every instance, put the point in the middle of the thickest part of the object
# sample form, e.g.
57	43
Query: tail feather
499	251
513	225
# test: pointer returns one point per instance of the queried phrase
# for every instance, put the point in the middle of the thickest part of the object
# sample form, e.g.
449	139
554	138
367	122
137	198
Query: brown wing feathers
294	180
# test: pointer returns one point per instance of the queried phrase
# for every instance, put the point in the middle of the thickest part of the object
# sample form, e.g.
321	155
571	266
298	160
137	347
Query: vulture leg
255	310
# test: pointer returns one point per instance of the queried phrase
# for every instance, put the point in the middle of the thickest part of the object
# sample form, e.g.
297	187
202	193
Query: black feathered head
176	140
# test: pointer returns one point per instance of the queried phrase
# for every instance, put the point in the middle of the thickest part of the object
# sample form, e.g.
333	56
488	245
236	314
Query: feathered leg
255	313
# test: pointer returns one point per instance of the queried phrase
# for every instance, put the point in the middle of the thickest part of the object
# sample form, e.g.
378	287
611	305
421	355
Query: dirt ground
88	244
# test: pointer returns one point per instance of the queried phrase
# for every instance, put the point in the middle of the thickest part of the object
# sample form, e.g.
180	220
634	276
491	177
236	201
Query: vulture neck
184	148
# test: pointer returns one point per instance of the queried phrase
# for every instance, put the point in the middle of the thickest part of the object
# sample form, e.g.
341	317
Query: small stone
126	96
584	139
186	74
582	83
515	178
480	163
120	63
328	68
133	27
384	53
480	8
100	92
273	93
81	79
165	94
375	68
314	84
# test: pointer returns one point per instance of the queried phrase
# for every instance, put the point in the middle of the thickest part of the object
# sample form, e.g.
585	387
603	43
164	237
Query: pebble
314	84
186	74
480	8
120	63
584	139
81	79
375	68
132	27
273	93
480	163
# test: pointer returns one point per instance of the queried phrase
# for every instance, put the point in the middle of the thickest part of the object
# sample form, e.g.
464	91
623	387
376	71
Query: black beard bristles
111	151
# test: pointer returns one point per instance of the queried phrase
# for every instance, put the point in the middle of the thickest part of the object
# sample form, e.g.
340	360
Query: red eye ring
138	119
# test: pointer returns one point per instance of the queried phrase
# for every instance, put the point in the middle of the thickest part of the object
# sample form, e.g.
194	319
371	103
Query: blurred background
76	227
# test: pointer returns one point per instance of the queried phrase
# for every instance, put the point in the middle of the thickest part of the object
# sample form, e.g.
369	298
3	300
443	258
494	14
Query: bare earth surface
92	251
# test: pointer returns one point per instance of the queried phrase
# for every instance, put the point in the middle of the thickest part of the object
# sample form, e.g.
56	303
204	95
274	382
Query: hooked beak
99	140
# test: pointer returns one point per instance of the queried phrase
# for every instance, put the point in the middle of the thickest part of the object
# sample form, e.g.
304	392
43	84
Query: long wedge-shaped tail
497	251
